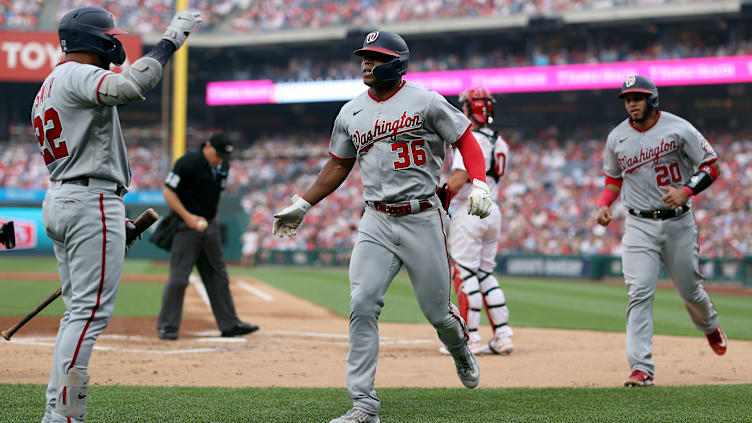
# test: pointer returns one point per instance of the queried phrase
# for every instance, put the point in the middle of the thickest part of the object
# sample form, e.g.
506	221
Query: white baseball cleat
467	367
502	346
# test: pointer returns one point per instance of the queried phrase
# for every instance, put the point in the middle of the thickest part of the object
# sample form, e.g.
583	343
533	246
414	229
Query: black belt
399	209
84	181
660	214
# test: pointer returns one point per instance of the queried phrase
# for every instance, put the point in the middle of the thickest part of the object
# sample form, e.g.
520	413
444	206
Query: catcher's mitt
445	196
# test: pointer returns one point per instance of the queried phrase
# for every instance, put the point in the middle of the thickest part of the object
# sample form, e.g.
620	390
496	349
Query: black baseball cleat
168	334
241	328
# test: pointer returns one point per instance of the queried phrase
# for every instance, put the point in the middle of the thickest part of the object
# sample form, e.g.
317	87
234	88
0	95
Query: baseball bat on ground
142	222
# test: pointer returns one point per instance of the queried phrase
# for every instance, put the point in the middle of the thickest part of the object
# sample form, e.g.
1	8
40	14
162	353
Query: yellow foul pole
179	93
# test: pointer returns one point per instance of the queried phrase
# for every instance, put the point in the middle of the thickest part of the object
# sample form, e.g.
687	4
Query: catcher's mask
641	84
389	44
478	104
91	29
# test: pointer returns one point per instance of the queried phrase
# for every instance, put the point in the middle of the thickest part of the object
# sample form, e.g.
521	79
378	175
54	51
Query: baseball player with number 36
75	121
658	161
398	133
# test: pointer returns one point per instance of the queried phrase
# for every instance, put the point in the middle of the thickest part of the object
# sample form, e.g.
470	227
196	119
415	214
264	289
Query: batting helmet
390	44
641	84
91	29
477	103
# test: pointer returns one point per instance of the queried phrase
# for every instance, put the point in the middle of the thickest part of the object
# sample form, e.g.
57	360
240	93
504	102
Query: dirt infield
303	345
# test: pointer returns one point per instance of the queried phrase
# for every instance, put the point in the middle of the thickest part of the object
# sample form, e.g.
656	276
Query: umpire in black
192	191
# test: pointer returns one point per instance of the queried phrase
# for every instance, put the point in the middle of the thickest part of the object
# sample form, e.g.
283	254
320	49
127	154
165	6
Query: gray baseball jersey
399	141
668	153
80	138
77	135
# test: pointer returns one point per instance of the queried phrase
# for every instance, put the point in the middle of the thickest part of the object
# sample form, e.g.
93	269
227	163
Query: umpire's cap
389	44
91	29
640	84
223	145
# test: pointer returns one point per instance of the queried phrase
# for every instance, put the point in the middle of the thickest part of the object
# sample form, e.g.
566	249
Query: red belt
399	209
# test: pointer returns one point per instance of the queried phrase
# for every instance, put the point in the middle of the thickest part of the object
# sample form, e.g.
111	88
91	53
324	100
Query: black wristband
162	52
699	181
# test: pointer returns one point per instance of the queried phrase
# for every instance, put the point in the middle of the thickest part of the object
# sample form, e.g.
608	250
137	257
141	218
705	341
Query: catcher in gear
473	242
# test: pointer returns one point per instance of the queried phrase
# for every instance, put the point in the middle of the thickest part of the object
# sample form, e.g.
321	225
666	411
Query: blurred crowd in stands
149	16
548	196
16	14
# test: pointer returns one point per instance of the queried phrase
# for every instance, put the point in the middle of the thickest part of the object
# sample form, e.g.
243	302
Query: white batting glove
180	27
479	200
287	221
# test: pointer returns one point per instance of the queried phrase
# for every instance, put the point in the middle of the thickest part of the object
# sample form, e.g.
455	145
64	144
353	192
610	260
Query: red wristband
688	190
607	198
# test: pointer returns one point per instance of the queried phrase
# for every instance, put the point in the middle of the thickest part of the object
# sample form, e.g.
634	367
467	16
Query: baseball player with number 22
658	161
398	133
75	121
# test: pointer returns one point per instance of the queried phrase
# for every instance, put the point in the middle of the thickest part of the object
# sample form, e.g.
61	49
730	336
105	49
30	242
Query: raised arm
144	74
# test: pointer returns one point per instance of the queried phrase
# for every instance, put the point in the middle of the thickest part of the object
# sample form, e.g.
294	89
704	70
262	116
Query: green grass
134	299
562	304
48	264
719	403
532	303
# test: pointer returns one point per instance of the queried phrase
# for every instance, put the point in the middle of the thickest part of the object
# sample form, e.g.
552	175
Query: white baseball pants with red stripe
385	244
87	228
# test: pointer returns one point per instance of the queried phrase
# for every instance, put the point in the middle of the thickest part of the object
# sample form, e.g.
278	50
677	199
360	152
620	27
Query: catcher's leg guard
496	305
462	303
472	302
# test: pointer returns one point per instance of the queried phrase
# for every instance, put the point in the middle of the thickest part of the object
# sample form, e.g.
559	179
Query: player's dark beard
384	85
647	113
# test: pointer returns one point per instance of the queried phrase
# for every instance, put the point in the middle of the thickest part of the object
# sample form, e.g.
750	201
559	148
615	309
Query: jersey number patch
58	149
172	180
500	164
665	173
404	154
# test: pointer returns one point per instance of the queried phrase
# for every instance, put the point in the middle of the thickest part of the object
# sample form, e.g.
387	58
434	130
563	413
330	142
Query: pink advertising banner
676	72
240	92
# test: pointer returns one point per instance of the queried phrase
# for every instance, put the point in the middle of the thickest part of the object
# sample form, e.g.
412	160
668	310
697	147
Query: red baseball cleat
717	340
639	378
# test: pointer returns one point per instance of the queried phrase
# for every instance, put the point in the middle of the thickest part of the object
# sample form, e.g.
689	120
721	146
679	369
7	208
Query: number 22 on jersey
49	127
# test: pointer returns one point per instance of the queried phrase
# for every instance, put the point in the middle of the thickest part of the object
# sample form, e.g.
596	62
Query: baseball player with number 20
658	161
75	121
397	132
473	242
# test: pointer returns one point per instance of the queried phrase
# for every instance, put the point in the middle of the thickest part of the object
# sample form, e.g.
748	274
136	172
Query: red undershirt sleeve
472	156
